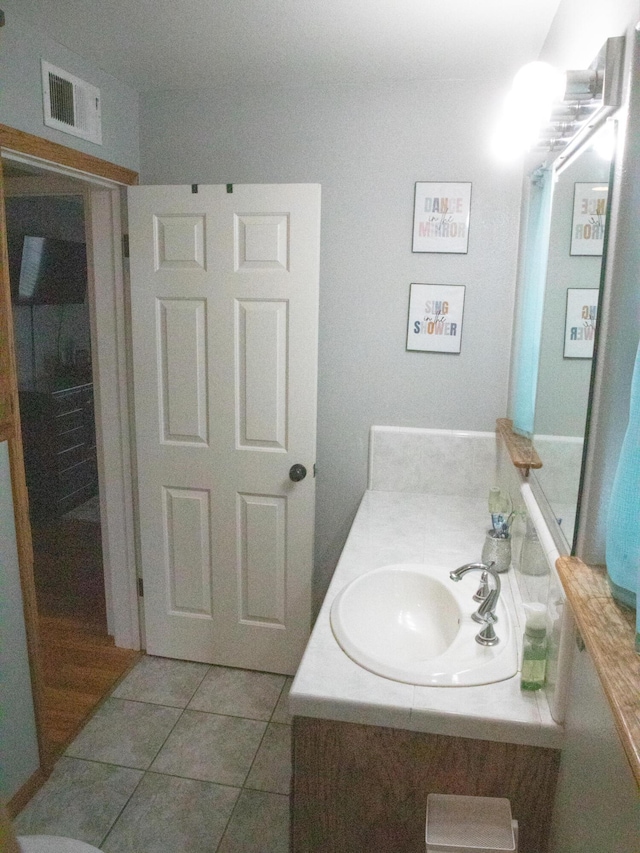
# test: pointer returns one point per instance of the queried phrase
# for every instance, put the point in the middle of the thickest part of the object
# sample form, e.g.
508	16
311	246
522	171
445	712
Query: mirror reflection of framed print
589	218
441	217
580	322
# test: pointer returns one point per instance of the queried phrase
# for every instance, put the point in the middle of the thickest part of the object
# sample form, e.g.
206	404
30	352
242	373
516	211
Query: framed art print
441	217
580	322
589	218
435	317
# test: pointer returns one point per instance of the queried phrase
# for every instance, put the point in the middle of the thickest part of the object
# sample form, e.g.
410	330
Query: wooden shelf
608	630
521	450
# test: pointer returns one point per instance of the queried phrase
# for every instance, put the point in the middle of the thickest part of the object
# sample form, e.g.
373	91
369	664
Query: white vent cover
70	104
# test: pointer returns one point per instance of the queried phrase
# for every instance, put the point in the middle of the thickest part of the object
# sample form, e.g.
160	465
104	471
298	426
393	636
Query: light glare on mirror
527	108
604	141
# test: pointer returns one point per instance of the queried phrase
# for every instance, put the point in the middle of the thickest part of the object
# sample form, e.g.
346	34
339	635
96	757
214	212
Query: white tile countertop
438	530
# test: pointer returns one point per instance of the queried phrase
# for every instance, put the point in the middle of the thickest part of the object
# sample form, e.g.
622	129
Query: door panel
187	537
262	550
183	370
262	242
224	295
262	393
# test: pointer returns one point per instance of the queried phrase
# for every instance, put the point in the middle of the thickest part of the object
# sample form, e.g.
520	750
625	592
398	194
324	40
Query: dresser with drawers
59	438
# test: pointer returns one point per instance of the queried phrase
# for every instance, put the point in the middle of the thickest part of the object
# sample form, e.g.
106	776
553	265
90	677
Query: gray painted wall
18	744
21	49
366	146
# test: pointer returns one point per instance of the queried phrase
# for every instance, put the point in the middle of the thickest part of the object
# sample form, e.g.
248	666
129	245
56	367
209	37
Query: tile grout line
192	710
242	788
146	770
117	817
144	773
156	772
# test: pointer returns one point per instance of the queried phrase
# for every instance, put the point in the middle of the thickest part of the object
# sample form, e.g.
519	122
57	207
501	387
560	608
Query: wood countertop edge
608	631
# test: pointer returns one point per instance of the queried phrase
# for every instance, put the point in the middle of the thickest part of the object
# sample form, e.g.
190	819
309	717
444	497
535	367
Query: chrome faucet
486	612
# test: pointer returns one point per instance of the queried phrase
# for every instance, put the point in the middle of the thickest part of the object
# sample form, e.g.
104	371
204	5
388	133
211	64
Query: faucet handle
487	637
486	614
483	590
487	610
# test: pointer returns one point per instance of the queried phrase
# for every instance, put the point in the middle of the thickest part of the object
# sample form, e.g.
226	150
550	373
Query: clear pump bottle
535	648
532	558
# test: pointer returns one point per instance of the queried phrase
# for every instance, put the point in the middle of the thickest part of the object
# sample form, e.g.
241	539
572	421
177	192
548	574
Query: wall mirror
569	320
566	207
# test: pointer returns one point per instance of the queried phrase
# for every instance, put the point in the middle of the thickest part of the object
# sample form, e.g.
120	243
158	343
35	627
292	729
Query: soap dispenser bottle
532	558
535	647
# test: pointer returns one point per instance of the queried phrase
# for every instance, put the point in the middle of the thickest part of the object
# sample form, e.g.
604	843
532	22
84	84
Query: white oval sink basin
411	623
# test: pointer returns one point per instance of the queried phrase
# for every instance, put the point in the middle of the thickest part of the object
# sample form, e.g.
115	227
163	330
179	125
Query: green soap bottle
534	651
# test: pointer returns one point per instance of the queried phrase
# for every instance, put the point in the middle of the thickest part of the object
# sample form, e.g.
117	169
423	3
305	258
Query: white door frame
108	308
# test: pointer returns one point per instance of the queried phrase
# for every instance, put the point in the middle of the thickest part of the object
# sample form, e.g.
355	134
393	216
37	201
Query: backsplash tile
431	461
395	459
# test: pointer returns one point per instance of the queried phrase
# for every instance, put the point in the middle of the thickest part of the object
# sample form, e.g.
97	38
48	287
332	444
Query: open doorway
49	271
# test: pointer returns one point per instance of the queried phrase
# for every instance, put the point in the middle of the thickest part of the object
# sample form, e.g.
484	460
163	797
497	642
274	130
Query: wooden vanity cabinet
363	789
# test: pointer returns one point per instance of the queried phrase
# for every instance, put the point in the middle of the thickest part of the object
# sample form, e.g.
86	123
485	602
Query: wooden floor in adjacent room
80	668
80	662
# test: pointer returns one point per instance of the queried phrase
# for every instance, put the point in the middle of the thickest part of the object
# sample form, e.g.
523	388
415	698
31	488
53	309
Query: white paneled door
224	304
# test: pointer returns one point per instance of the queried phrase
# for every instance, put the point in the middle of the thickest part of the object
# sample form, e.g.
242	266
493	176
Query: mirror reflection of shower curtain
534	273
623	530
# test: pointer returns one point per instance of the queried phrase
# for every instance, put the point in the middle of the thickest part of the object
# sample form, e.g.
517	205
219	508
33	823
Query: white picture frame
441	214
435	317
580	321
589	218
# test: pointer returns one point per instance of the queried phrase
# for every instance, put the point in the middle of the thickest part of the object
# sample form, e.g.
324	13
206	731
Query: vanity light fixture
554	111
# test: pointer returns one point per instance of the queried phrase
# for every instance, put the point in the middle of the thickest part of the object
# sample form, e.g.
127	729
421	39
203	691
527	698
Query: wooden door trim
59	155
11	432
34	146
26	792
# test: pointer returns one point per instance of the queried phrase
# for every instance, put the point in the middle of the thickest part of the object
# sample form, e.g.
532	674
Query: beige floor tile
271	769
239	692
211	747
125	733
171	815
81	799
162	681
281	713
260	824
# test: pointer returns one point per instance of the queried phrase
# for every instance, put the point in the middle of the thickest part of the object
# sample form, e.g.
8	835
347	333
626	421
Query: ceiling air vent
70	104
